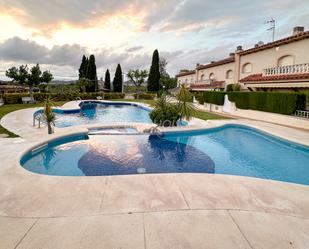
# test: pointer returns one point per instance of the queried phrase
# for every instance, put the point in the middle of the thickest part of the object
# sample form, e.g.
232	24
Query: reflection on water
129	156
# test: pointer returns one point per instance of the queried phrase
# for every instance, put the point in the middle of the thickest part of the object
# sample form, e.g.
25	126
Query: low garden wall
281	119
276	108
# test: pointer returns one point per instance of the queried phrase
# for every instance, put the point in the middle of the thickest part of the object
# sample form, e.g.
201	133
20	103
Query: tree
83	67
31	79
166	81
107	81
138	78
83	84
186	108
92	74
49	115
154	73
118	81
162	66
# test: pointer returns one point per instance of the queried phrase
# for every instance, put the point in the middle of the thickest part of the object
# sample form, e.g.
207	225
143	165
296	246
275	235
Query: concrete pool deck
146	211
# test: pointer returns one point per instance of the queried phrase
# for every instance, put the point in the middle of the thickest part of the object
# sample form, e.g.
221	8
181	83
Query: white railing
303	114
292	69
208	81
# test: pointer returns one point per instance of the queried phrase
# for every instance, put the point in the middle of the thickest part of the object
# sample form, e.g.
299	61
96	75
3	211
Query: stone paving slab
193	230
12	231
114	231
270	231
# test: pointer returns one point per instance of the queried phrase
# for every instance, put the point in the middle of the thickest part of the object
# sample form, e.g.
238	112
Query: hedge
283	103
147	96
16	98
211	97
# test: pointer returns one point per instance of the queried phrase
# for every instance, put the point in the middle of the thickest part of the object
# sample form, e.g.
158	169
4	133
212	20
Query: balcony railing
292	69
208	81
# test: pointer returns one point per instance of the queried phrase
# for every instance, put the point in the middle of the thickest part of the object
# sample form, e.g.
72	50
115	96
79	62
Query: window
202	77
286	60
247	68
229	74
212	76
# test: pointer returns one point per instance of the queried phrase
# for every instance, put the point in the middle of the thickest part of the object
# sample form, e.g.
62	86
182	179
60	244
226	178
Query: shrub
165	117
164	113
229	88
114	95
233	88
16	98
283	103
199	98
216	98
147	96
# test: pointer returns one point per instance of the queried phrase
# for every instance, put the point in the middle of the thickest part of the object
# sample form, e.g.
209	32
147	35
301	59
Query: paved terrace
145	211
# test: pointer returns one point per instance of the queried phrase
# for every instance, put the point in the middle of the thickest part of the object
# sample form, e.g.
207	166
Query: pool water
233	150
93	112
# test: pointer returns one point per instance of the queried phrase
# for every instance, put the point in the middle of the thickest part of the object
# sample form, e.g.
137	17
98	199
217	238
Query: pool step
39	148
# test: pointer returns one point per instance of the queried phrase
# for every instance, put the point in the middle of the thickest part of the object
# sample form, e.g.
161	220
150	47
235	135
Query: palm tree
185	105
49	116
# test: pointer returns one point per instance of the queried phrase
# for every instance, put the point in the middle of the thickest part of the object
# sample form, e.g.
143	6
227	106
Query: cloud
134	49
126	32
19	50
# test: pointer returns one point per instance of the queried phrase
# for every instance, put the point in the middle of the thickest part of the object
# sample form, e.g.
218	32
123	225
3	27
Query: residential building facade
282	65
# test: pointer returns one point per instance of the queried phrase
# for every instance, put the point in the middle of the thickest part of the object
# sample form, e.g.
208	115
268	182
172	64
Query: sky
56	33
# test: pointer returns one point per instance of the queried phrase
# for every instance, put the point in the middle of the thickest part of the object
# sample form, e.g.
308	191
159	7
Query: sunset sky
57	33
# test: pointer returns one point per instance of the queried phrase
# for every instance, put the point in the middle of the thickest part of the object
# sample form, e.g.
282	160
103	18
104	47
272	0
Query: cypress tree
92	74
83	67
117	83
154	73
107	81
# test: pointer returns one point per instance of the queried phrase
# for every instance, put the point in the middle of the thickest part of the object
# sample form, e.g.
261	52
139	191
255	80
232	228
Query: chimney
239	48
256	45
197	64
298	30
212	62
232	54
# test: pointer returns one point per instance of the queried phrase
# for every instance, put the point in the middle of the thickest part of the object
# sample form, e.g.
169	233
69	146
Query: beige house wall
219	73
186	79
269	58
259	60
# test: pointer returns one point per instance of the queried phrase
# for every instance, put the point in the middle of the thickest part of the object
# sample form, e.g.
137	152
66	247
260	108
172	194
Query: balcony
200	82
287	70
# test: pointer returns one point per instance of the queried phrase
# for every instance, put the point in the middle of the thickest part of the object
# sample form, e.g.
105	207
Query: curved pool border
62	110
28	195
86	132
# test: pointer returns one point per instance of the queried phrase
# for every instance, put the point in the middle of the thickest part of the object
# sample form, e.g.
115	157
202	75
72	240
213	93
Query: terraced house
282	65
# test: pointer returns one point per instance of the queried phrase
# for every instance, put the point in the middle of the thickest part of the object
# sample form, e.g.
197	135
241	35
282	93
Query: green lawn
209	115
199	114
5	109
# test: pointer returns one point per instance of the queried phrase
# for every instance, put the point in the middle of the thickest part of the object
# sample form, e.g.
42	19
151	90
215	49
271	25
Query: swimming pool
97	112
231	149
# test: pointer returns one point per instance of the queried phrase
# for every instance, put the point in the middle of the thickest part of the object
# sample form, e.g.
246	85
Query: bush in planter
164	113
